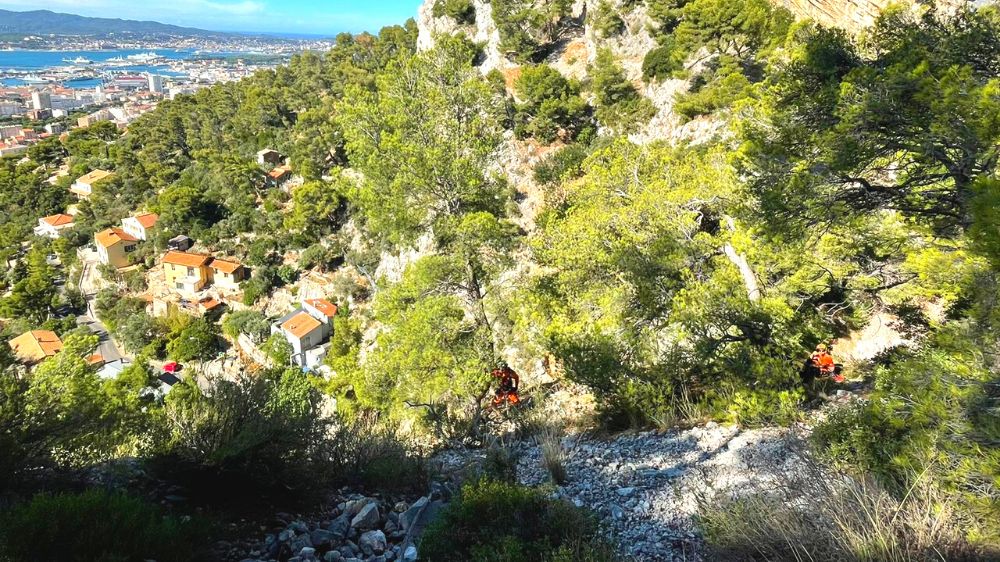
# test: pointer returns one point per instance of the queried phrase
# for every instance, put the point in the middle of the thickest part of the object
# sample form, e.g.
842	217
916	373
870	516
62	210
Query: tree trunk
741	263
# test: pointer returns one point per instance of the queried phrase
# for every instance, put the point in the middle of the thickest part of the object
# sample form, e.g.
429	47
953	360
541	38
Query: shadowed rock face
852	15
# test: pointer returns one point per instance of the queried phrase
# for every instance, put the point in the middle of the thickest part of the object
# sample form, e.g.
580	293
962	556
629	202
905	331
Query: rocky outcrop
852	15
355	529
483	32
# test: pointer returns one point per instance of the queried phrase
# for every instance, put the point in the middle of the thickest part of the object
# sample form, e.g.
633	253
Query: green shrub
265	429
497	521
619	104
552	106
606	20
712	90
933	412
277	349
97	526
462	11
661	62
199	340
249	322
561	165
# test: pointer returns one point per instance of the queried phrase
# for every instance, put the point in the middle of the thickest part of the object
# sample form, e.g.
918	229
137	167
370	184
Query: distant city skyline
312	17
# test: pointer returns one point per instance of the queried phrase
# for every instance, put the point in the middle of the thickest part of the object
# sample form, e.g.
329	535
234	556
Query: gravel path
645	487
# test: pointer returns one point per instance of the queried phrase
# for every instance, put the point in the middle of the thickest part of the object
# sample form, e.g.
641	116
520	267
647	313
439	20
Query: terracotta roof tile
225	266
58	219
300	324
186	259
95	176
112	236
147	220
36	345
324	306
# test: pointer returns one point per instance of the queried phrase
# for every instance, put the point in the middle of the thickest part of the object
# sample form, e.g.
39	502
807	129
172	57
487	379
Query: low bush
935	411
660	63
97	526
499	521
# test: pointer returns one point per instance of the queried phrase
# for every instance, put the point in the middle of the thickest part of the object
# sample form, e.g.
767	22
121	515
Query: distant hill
45	22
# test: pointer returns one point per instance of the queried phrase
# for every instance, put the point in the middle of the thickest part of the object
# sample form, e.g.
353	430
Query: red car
172	367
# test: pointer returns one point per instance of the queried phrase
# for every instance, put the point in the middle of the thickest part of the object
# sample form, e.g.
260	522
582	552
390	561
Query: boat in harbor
79	60
145	57
34	79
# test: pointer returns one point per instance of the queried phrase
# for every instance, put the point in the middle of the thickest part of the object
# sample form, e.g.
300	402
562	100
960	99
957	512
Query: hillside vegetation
675	282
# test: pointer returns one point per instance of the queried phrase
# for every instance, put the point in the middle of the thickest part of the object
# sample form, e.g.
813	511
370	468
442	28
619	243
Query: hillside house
308	330
268	156
278	176
113	247
227	274
186	273
140	225
83	187
35	346
53	225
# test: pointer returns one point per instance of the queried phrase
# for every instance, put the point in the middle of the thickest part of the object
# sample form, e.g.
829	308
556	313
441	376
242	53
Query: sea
43	60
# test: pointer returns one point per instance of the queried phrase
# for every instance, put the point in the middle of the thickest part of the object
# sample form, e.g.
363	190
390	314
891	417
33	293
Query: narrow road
105	346
88	286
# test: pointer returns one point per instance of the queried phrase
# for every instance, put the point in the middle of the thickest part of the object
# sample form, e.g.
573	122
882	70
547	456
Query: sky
327	17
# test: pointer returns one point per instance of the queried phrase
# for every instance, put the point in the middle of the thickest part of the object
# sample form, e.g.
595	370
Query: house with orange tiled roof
53	225
308	329
189	273
114	245
185	272
84	185
139	225
279	175
227	274
35	346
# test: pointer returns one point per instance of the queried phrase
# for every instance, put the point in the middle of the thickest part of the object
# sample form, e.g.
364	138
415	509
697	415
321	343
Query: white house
308	330
140	224
84	185
53	225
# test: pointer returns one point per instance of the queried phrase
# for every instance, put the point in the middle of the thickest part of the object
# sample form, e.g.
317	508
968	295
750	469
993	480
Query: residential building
35	346
227	274
95	117
41	100
268	156
186	273
39	114
55	128
308	330
12	150
155	84
321	309
53	225
140	224
279	175
114	245
84	185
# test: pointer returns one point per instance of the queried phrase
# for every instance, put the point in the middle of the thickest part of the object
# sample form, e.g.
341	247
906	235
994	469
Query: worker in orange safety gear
508	381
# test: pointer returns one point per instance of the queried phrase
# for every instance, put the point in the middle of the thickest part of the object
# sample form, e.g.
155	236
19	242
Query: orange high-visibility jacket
824	361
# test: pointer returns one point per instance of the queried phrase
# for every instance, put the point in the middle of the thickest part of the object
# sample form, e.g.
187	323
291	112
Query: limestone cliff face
852	15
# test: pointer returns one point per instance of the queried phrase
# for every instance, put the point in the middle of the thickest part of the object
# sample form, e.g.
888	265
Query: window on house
179	285
190	271
130	248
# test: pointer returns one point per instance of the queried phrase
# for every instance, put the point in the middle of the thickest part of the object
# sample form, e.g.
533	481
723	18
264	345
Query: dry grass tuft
553	454
823	516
